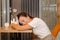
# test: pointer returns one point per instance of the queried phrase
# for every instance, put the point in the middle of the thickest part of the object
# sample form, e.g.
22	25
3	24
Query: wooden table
11	34
12	30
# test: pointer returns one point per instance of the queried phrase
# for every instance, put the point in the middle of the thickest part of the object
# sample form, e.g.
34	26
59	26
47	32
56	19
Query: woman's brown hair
23	14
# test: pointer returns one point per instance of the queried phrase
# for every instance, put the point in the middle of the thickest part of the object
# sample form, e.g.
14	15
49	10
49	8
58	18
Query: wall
30	6
0	5
16	4
48	12
58	10
0	12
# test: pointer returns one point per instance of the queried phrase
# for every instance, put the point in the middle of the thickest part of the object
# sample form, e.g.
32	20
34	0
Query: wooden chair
56	30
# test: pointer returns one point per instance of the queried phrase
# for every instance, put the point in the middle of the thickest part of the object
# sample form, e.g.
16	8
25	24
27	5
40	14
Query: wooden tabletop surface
12	30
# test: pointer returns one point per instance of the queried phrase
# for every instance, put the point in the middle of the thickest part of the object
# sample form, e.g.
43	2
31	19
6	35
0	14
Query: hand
12	25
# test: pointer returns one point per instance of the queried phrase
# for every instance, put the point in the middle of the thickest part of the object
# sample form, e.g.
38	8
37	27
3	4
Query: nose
24	23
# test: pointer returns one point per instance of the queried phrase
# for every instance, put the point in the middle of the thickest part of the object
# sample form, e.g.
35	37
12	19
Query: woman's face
24	20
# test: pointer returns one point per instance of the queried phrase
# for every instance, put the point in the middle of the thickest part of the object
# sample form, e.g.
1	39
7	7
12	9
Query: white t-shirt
39	27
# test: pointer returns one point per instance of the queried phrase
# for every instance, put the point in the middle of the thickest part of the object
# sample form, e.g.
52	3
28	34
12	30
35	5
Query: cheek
22	22
25	22
19	21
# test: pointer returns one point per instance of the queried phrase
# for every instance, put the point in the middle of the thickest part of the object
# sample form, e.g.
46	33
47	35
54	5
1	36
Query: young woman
38	26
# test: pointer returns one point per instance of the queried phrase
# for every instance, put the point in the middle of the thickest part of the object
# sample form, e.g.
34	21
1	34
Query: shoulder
37	19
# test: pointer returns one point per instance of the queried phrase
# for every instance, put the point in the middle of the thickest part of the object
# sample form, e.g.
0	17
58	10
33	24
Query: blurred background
44	9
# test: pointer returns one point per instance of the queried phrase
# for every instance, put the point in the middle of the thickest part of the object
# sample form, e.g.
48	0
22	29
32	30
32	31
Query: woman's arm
56	30
18	27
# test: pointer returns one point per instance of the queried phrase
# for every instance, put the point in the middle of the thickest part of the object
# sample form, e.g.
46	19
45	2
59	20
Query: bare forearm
18	27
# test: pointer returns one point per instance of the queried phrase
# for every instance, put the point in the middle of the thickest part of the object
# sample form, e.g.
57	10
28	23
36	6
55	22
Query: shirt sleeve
34	23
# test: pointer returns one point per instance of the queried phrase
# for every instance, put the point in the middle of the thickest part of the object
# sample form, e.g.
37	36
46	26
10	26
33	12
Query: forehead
22	17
